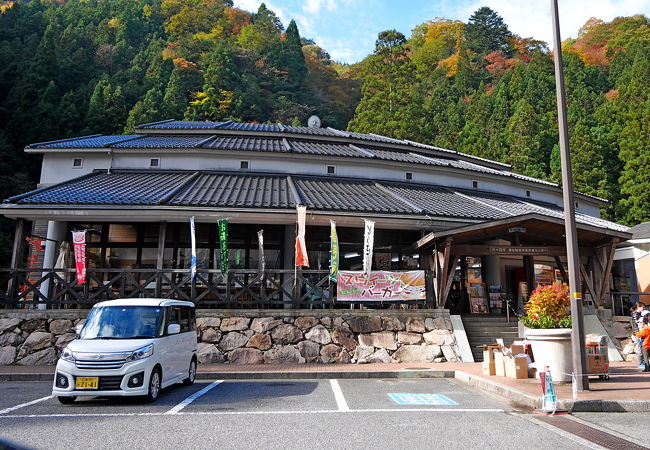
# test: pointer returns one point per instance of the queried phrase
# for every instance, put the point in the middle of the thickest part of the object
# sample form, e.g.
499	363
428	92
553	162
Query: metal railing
239	288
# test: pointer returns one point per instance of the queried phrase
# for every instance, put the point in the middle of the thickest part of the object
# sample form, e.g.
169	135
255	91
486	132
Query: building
472	224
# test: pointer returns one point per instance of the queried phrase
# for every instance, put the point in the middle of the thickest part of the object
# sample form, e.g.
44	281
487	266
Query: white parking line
193	397
22	405
257	413
338	395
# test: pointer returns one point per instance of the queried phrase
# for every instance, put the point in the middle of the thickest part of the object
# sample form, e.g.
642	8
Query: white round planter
552	348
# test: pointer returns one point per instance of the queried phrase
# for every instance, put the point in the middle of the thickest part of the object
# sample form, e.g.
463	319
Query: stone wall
262	336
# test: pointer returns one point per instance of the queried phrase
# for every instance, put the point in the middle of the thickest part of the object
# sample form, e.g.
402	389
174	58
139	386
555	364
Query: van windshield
123	322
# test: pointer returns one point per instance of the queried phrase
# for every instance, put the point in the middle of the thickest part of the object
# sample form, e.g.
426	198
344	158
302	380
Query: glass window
122	322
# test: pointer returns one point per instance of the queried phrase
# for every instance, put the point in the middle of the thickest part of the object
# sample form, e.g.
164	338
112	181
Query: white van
129	347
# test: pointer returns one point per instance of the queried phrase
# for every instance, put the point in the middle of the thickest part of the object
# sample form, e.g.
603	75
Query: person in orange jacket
645	335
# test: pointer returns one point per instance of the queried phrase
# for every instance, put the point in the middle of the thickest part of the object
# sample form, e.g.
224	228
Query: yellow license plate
87	383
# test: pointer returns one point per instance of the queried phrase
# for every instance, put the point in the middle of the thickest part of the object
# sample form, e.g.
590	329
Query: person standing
645	335
638	312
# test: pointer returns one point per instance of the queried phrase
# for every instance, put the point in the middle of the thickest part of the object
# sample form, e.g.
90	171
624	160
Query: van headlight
67	355
141	353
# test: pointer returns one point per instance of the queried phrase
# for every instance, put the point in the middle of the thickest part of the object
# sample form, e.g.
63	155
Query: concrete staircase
483	329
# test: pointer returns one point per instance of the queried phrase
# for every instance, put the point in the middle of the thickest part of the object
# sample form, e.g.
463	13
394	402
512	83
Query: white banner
368	244
193	238
260	247
301	247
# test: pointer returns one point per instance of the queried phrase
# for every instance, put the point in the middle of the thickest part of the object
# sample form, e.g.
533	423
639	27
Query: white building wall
57	167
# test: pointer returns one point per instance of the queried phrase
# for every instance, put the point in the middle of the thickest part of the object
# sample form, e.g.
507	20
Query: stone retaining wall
261	336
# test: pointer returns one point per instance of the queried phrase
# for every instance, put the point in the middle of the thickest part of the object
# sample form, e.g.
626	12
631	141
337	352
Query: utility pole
573	258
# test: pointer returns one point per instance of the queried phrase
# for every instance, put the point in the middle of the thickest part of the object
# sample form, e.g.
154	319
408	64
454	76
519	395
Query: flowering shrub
547	307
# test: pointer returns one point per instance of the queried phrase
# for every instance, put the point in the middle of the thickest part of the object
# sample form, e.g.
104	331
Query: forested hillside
69	68
478	88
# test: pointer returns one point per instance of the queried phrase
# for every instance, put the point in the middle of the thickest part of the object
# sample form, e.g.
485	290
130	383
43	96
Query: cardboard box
488	352
517	349
489	368
597	364
499	367
516	367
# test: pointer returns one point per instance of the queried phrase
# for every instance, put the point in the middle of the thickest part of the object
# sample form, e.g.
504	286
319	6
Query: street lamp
573	258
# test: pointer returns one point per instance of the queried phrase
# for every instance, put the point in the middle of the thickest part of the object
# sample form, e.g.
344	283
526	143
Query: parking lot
349	413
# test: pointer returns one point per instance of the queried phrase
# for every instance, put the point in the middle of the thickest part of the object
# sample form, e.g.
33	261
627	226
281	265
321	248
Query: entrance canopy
527	235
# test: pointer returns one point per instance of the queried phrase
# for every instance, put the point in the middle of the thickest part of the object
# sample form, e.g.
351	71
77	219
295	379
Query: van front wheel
154	386
66	400
191	374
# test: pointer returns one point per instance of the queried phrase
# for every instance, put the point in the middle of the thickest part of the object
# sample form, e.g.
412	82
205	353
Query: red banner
79	243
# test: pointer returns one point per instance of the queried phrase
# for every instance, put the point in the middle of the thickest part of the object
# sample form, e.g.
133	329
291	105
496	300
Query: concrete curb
515	396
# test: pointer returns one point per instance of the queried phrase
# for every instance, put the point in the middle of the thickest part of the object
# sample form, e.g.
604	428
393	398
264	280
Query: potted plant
548	328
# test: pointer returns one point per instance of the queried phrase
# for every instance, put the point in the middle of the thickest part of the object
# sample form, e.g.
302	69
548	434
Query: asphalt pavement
305	413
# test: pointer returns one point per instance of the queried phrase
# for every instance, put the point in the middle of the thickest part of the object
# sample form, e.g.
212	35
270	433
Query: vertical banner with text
262	261
79	244
368	244
223	245
193	240
334	252
301	247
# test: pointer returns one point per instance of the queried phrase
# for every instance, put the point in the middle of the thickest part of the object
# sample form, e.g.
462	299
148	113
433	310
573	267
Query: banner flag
368	243
301	247
193	239
223	245
381	286
334	252
79	244
262	261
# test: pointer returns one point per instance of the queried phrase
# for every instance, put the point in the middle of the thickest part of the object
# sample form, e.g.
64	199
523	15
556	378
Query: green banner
334	252
223	245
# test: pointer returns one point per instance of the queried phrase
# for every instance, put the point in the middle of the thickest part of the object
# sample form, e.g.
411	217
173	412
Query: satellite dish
313	122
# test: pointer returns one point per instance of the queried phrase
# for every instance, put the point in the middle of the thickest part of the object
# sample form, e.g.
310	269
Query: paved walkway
627	389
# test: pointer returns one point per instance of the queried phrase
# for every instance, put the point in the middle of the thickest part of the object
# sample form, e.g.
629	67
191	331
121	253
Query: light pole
573	259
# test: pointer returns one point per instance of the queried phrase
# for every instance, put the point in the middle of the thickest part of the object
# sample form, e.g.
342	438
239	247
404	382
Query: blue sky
347	29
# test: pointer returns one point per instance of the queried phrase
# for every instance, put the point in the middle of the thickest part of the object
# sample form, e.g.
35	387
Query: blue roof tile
164	141
90	142
247	143
235	190
127	188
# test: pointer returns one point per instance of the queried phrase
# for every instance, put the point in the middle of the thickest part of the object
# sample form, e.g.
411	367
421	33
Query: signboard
380	286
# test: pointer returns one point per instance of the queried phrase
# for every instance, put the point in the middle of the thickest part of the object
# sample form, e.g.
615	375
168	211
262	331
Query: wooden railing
240	288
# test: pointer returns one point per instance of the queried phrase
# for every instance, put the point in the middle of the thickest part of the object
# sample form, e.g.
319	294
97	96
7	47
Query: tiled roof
163	141
247	143
109	189
324	149
181	125
241	126
362	196
251	190
244	191
440	201
88	142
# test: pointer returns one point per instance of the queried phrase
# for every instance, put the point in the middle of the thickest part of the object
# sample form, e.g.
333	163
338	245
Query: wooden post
17	257
427	260
608	269
560	266
443	272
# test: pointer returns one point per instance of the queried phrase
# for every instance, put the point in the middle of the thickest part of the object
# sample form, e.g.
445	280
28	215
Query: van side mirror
173	328
78	329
